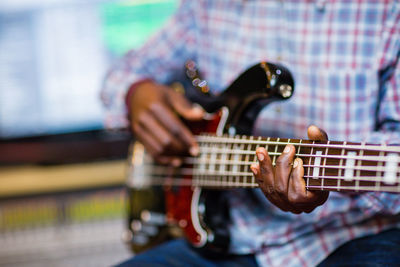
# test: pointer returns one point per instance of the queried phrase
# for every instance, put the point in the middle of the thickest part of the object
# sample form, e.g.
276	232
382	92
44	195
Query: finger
154	148
265	179
183	107
149	143
181	133
283	168
316	134
173	161
167	141
299	197
266	176
255	168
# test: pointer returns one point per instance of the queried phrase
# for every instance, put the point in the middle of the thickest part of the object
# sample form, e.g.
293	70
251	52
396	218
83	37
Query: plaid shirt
344	58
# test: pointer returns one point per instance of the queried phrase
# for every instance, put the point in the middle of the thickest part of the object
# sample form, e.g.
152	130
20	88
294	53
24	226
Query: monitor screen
54	55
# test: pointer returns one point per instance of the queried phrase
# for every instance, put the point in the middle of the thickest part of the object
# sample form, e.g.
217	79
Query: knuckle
294	198
161	160
281	161
175	129
281	189
295	211
135	128
269	189
283	208
309	210
166	142
153	106
265	171
142	118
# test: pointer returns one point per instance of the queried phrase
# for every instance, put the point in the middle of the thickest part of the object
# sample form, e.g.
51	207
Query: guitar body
202	214
161	212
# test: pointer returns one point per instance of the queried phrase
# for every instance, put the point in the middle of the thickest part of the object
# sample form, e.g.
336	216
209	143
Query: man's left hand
284	184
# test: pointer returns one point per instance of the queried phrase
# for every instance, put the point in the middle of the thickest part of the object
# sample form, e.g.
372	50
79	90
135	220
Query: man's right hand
154	112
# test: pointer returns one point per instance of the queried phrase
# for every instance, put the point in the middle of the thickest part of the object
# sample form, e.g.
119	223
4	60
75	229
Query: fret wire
224	179
234	158
267	145
253	179
340	172
246	159
202	165
380	164
240	158
369	147
212	151
275	153
215	149
230	156
240	166
299	147
213	156
323	169
358	172
309	169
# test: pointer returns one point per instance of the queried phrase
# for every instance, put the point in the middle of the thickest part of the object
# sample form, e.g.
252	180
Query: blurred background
62	175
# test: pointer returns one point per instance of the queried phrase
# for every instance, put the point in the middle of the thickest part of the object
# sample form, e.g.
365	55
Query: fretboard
336	166
224	162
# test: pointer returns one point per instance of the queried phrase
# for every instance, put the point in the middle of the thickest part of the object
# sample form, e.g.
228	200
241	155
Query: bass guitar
167	201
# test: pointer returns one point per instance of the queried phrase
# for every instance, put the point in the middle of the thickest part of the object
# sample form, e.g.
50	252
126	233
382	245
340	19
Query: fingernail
295	163
287	149
197	110
260	156
254	169
176	162
194	151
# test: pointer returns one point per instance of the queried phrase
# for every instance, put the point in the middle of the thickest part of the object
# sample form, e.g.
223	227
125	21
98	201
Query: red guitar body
184	205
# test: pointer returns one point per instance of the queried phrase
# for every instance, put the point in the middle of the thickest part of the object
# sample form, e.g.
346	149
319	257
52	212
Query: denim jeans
378	250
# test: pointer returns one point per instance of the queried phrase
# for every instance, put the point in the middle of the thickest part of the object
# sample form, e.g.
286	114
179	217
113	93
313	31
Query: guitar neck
224	162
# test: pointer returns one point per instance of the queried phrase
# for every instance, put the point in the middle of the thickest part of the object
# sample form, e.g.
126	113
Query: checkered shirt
344	58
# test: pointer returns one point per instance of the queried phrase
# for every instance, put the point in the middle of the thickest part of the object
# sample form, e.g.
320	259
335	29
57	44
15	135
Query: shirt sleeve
388	105
162	56
388	116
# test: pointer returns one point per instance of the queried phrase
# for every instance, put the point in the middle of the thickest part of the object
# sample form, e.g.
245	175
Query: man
344	58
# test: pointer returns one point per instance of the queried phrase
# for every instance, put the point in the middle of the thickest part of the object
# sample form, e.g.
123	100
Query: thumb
316	134
184	108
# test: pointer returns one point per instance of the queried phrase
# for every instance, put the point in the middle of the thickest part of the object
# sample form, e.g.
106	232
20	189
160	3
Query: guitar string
223	140
391	189
217	184
190	160
215	148
248	175
162	170
230	163
245	152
